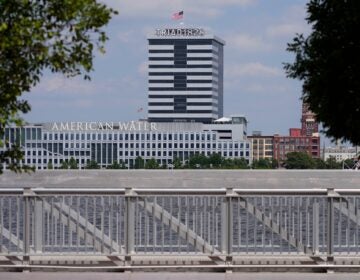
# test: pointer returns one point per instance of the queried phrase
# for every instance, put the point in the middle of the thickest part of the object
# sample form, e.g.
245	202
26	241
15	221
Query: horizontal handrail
175	191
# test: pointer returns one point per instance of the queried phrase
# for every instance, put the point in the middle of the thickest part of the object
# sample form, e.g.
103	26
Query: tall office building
185	76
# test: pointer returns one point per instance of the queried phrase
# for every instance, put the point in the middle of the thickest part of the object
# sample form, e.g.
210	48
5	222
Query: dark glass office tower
185	76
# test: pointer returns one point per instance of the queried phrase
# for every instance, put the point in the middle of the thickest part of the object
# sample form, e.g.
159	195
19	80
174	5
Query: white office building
124	142
340	153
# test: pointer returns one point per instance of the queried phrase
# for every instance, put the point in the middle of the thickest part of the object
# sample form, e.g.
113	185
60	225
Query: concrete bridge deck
246	179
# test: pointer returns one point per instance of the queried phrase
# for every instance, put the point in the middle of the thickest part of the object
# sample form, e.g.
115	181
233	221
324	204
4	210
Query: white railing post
331	195
316	226
38	225
129	225
227	225
27	195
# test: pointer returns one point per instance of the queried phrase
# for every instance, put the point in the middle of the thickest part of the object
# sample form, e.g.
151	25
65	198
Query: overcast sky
255	31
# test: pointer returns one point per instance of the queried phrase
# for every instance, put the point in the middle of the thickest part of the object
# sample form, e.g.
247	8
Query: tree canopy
299	160
328	64
55	35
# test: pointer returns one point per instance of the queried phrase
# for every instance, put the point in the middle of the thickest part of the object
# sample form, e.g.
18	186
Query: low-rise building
287	144
107	142
340	153
261	146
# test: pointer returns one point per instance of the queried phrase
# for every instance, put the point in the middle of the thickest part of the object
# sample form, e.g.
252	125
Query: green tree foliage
215	160
152	164
319	163
264	163
198	161
92	164
236	163
177	164
73	164
139	163
275	163
55	35
331	163
117	165
64	165
328	64
299	160
50	166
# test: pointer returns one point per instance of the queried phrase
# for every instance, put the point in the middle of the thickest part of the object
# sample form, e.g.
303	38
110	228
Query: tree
331	163
177	164
92	164
73	164
274	163
64	165
50	166
319	163
116	165
328	64
240	163
262	163
151	164
198	161
215	160
41	35
236	163
139	163
299	160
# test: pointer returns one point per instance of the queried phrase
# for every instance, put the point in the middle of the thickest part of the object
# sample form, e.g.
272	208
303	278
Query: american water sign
90	126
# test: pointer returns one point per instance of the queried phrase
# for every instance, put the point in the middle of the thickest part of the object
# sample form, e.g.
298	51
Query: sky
256	34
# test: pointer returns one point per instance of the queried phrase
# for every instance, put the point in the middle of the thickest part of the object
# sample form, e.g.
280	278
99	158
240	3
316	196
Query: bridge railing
191	222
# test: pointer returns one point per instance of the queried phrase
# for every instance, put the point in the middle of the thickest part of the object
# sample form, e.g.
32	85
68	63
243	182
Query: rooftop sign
89	126
176	32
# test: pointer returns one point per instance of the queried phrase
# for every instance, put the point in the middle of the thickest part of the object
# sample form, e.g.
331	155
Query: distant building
295	143
305	139
53	143
262	146
340	153
185	76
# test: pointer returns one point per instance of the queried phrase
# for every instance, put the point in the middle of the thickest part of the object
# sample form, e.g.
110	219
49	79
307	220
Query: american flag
140	109
178	15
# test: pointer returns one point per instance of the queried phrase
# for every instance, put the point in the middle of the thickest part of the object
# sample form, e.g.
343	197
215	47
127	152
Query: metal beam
87	231
276	228
181	229
12	238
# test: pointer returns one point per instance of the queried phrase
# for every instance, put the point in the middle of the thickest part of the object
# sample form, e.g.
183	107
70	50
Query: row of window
297	141
183	58
183	81
57	147
134	154
36	134
183	66
112	136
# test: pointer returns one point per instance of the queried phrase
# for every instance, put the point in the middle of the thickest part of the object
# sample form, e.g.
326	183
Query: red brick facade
304	139
286	144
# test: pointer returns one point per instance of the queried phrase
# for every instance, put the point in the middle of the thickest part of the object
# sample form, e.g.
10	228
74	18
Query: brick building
296	143
304	139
